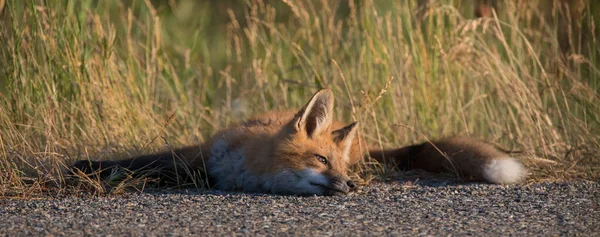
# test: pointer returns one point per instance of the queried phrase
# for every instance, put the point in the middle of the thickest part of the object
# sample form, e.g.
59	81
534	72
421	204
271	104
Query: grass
109	79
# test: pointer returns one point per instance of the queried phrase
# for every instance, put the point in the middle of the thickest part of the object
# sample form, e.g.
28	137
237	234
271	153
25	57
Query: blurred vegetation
106	79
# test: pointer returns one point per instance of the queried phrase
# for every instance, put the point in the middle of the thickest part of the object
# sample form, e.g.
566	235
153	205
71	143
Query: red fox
307	153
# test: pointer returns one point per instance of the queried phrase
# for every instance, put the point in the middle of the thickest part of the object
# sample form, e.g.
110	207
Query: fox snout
338	184
339	187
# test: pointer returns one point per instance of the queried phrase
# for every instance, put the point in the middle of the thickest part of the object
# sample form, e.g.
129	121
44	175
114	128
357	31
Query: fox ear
345	134
317	115
344	137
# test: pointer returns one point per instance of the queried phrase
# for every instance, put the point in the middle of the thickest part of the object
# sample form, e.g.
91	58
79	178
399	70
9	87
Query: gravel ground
396	208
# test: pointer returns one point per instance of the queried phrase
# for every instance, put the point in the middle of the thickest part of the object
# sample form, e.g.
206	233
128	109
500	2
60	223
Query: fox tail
466	157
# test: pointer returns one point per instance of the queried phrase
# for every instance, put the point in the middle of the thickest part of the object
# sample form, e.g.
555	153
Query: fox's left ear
316	116
344	137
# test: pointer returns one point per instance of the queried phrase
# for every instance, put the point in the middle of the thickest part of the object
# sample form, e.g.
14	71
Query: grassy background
107	79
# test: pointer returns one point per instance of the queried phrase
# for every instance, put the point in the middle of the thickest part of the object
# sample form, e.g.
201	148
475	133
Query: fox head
313	158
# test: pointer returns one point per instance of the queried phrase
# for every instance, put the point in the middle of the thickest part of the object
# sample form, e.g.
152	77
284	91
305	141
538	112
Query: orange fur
306	152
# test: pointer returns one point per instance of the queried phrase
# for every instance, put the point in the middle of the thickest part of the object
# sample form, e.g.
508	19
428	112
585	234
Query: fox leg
169	168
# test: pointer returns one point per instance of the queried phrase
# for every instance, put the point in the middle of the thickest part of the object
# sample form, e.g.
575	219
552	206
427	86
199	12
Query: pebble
391	208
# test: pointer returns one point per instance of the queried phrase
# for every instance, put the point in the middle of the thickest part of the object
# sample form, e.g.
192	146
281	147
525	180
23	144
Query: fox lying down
306	152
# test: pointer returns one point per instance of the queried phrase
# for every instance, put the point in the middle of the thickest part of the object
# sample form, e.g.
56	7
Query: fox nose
352	185
342	187
339	184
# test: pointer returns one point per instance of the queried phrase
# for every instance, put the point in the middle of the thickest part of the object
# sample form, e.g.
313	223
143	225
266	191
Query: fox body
306	152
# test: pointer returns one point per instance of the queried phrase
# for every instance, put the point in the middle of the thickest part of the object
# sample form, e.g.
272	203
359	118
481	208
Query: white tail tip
504	171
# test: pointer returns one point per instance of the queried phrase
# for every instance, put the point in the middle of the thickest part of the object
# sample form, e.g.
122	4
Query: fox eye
321	159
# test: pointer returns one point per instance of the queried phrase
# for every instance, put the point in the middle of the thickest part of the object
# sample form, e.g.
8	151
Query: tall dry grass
107	79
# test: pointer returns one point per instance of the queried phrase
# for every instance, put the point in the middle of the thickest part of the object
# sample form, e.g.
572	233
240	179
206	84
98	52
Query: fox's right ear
316	116
344	138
